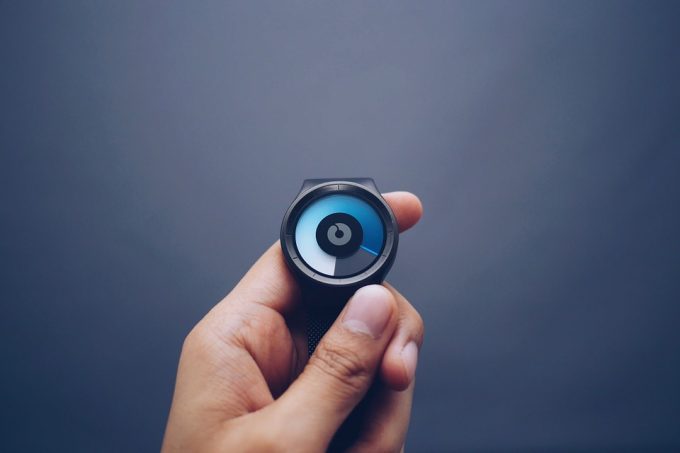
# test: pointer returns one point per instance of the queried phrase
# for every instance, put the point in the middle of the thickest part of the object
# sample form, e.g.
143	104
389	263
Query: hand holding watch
337	236
242	383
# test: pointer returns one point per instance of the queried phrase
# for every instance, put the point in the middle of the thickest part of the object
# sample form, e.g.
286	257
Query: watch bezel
376	271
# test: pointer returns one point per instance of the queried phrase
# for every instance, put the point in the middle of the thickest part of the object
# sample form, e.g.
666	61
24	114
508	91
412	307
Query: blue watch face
339	235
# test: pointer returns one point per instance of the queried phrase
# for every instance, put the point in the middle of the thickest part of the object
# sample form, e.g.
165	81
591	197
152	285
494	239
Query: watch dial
339	235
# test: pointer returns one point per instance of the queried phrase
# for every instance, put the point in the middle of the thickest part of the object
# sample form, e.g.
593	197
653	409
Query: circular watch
337	236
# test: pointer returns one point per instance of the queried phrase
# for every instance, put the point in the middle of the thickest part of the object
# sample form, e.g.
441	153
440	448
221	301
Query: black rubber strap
318	323
322	307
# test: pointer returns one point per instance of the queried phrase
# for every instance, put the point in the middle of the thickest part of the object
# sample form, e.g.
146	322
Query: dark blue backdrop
149	150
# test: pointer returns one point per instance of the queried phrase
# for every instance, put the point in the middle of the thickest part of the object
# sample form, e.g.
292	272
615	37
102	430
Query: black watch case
308	276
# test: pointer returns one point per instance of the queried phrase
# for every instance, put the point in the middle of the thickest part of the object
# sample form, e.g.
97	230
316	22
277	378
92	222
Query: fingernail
369	310
409	355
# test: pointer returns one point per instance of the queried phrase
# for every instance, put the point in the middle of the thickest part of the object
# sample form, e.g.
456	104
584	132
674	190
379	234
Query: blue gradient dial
330	214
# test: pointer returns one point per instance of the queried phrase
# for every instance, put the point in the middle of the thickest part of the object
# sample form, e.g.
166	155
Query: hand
244	382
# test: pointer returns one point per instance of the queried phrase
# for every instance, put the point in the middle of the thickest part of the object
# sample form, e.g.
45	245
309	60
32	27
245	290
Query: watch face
339	235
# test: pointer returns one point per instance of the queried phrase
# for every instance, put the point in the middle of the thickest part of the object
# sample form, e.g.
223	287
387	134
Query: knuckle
228	328
343	365
202	341
410	317
197	341
194	338
419	326
416	324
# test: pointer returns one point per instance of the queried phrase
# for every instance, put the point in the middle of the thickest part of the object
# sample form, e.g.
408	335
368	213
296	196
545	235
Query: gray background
149	151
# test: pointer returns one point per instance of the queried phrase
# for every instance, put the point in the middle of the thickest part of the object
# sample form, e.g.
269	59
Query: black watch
337	236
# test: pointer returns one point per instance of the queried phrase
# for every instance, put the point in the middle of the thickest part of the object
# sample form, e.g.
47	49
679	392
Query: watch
337	236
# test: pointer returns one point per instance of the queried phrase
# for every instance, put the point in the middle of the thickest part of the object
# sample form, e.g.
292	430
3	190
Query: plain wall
150	149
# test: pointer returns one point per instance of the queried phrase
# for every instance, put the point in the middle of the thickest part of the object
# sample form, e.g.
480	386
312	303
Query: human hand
244	382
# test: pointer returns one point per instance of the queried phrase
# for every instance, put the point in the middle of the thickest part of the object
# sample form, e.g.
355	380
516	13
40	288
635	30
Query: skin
244	382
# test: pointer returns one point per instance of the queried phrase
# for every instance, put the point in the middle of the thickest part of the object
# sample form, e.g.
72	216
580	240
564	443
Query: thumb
342	368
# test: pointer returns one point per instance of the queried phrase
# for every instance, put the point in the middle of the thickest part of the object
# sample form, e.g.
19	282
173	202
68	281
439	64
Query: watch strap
317	324
322	308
